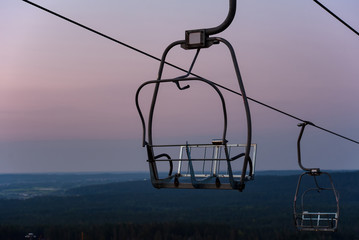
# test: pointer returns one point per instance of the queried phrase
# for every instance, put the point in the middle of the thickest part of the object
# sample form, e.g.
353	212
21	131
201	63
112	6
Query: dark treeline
135	210
163	231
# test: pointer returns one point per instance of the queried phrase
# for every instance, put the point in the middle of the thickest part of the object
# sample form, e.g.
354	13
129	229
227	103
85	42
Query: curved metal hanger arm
199	38
223	26
313	171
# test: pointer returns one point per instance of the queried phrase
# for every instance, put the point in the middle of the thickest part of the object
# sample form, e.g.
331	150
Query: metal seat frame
308	220
200	41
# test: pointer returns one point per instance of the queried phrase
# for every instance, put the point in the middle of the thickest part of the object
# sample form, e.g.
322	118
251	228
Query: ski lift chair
313	212
211	165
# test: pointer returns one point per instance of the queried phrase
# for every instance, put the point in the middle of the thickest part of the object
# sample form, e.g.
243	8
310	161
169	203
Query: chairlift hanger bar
313	171
224	25
335	16
199	38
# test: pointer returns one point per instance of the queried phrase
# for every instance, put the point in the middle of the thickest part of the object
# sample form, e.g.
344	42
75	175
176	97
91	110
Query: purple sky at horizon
67	95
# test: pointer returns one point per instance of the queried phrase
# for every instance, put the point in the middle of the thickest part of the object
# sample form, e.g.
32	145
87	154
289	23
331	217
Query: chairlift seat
325	217
317	221
212	176
204	166
309	220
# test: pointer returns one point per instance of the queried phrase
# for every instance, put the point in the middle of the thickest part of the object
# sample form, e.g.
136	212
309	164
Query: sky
67	96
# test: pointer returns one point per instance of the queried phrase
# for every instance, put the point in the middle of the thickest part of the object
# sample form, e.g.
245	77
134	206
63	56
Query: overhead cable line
289	115
335	16
181	69
101	34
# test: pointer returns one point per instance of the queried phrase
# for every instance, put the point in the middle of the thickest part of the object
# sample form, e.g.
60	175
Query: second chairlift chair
318	207
217	156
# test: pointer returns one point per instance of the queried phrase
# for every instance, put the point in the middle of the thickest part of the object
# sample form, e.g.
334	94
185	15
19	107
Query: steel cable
336	17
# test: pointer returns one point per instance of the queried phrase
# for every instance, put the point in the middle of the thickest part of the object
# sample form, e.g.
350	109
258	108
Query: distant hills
24	186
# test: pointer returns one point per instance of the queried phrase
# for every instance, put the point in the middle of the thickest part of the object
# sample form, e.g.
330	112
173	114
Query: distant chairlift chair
308	191
212	165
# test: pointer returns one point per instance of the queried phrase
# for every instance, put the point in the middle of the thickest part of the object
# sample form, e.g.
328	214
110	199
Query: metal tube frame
149	143
299	216
209	41
223	26
313	172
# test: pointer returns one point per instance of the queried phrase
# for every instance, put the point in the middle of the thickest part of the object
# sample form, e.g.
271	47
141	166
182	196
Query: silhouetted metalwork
213	177
318	209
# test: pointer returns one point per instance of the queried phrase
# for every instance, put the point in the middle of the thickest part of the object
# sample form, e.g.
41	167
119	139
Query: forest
136	210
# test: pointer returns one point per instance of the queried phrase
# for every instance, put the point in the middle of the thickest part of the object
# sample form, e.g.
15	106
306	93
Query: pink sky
63	85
